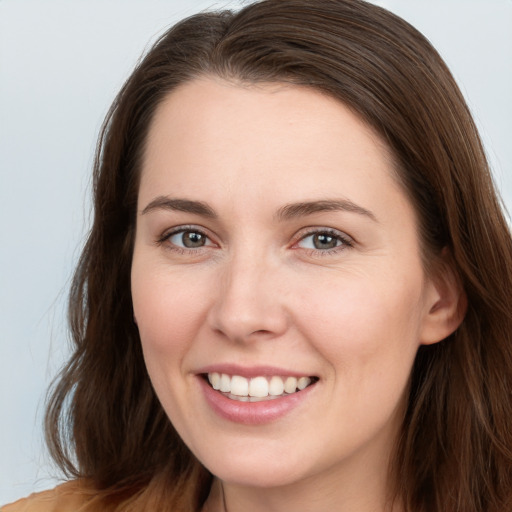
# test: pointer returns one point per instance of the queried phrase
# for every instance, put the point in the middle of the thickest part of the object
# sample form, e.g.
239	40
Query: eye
187	239
324	240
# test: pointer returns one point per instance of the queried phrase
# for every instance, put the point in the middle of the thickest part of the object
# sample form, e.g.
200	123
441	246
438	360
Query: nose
249	301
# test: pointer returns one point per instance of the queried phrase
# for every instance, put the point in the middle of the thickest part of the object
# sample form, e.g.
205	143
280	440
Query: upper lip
251	371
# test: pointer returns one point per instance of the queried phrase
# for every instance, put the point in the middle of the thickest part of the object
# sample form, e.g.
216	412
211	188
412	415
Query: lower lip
252	413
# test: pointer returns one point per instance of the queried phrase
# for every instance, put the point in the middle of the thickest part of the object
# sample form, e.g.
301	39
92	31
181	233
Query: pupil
324	241
193	239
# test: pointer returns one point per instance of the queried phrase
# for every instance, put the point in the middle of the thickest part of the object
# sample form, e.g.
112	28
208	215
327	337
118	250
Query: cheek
361	323
169	309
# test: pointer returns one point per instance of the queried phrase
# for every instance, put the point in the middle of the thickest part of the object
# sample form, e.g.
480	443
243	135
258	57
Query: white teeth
290	384
303	383
239	386
257	387
225	383
276	386
214	380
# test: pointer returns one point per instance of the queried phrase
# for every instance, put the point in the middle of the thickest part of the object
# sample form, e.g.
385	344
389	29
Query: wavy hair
104	421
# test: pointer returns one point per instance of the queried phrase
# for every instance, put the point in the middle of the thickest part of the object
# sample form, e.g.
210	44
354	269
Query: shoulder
71	496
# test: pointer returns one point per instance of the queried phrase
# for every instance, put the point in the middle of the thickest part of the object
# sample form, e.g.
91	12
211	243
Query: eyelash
345	241
165	238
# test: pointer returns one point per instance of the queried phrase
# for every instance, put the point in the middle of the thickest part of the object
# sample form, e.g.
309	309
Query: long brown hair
104	421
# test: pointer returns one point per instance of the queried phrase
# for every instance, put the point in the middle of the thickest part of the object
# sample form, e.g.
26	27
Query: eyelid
346	240
167	234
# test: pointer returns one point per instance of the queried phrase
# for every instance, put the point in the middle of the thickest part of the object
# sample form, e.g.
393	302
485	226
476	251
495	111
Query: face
277	260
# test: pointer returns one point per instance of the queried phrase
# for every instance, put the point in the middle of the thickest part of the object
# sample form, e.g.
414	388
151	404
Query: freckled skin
259	292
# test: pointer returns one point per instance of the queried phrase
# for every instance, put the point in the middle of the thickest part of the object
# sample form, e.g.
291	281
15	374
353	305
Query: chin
256	472
264	479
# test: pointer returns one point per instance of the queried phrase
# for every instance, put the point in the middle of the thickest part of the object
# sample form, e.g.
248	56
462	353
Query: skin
259	292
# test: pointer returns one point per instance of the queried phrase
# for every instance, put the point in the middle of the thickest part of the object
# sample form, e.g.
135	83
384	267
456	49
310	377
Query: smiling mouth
259	388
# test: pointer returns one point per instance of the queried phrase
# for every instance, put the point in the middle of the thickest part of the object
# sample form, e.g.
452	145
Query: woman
295	292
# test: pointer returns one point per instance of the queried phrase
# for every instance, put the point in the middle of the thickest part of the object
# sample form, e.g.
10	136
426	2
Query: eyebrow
303	209
180	205
287	212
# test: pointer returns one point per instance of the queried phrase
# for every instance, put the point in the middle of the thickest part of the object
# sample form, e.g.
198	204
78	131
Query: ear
446	302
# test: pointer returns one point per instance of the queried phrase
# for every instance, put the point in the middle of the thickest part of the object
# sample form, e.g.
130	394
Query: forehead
260	110
211	136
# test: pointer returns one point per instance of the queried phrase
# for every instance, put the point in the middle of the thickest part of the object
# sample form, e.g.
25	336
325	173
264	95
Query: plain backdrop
61	63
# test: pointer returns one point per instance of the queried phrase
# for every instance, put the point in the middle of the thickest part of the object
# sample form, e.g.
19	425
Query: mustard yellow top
77	496
69	497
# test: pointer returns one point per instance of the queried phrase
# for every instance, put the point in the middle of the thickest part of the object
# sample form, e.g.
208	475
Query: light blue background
61	63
